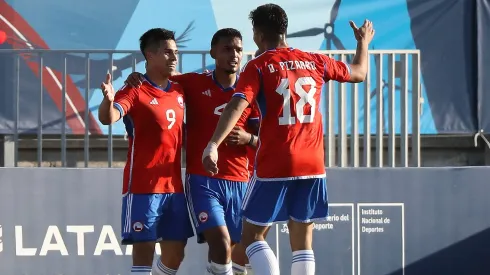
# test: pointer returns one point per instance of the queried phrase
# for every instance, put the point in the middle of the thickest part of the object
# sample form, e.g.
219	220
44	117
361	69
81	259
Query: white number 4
219	110
170	117
304	98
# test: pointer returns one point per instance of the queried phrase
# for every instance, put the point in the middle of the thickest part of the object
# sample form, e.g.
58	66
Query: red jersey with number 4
154	122
205	101
287	84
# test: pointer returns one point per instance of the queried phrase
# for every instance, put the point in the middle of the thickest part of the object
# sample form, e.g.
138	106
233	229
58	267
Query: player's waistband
324	175
225	177
152	192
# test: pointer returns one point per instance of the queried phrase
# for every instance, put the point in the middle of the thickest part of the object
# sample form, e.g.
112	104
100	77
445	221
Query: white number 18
304	98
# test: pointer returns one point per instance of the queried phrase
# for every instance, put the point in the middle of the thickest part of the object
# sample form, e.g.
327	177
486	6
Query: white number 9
170	117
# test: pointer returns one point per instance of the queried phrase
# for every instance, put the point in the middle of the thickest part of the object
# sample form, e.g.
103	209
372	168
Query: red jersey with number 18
154	118
287	85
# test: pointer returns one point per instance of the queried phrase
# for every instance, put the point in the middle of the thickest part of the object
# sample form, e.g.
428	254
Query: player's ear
212	52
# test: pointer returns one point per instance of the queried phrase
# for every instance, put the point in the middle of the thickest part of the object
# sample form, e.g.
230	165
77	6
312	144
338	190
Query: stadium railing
392	91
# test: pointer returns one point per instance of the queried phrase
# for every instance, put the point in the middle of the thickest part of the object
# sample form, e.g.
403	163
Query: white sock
262	259
249	269
303	263
239	270
221	269
140	270
208	269
160	269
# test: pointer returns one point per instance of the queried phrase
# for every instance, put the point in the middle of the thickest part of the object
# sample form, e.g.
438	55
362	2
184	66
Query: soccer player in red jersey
215	202
154	206
289	183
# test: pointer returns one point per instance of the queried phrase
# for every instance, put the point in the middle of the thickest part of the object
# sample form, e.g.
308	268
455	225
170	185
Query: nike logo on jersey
154	101
207	92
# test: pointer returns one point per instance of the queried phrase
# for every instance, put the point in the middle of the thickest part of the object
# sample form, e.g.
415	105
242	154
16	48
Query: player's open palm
107	88
210	158
365	33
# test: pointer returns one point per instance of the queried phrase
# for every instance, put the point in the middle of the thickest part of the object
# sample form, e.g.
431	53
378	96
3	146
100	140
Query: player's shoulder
314	55
176	87
304	54
128	89
197	75
200	76
253	63
263	57
191	78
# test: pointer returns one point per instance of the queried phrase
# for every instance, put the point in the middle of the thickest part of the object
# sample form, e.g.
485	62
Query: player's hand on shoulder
210	158
134	80
365	33
238	136
107	88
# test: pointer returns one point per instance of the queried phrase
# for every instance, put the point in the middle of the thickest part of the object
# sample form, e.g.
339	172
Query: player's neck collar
156	86
213	75
282	48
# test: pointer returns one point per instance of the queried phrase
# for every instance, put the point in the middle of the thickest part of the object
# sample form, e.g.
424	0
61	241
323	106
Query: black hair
225	33
270	19
150	40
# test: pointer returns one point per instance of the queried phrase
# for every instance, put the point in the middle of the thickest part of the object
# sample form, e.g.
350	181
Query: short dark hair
151	39
270	19
225	33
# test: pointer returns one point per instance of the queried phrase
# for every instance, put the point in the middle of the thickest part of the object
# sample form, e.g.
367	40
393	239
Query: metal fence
392	121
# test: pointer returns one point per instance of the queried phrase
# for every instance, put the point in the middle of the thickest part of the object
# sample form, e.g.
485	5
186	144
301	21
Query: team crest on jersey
203	217
137	227
180	100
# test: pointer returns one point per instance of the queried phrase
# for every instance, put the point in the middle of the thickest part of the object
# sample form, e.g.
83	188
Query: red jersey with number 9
154	118
287	85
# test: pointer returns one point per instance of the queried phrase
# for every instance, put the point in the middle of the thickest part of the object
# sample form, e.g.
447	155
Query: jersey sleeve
250	117
254	113
125	99
248	85
334	69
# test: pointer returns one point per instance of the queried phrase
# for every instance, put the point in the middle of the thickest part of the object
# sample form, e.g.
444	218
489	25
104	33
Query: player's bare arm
364	35
228	119
108	114
238	136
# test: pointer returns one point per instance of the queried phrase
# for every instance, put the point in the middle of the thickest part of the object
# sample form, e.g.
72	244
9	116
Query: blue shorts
155	217
215	202
301	200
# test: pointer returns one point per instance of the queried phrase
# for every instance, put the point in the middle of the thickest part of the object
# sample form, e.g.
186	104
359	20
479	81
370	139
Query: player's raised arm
364	35
115	105
108	114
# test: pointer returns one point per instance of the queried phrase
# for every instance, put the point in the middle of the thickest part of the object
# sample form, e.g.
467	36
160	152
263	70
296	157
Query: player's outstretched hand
107	88
365	33
238	136
210	158
134	80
